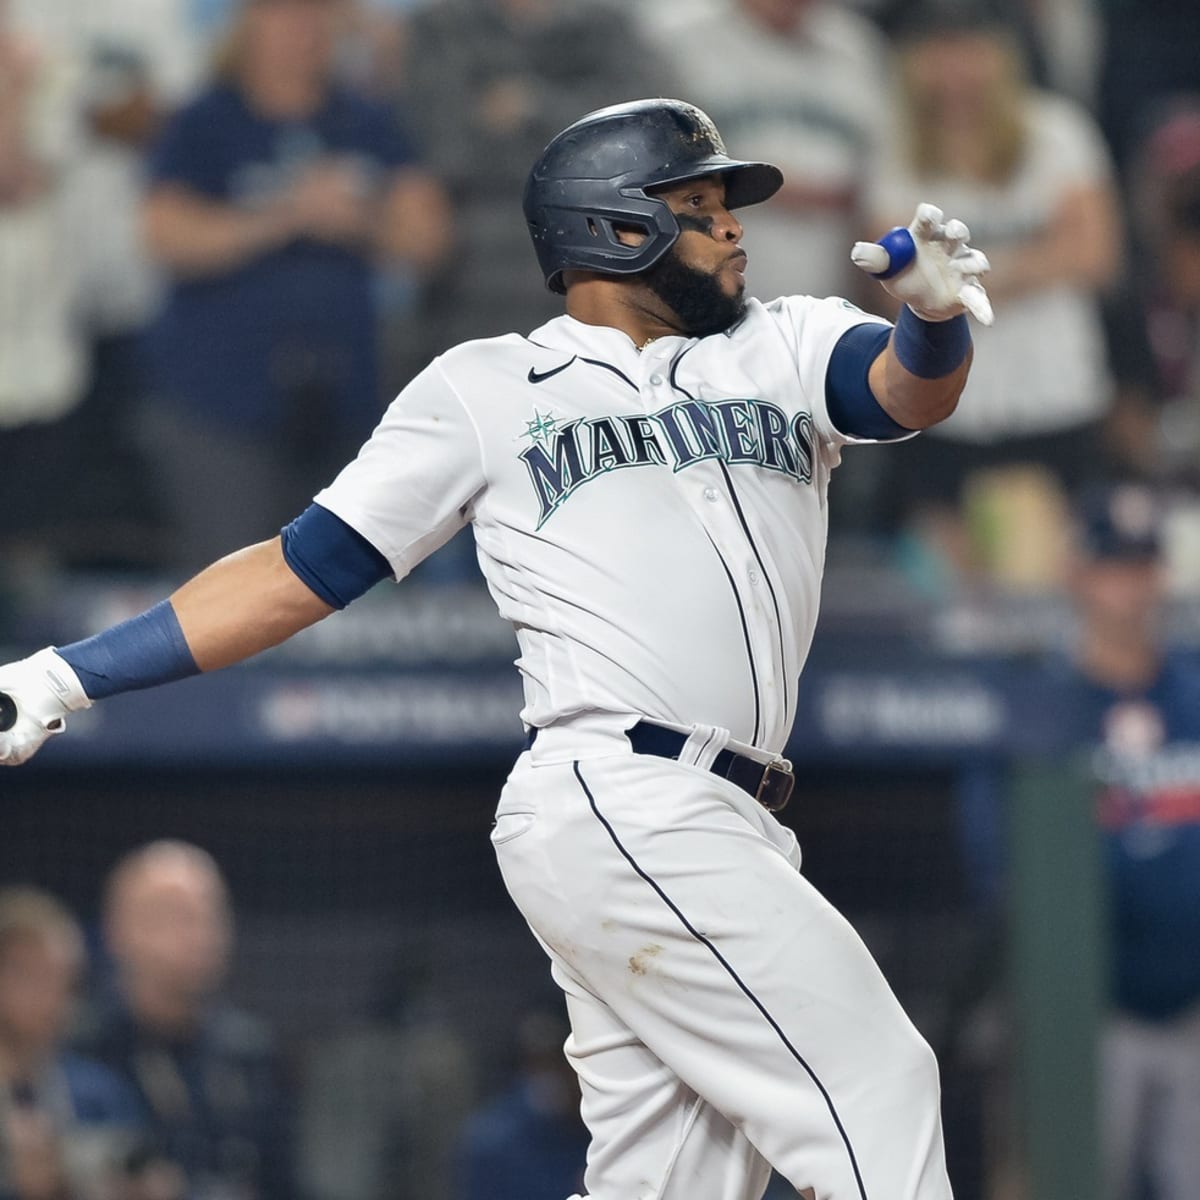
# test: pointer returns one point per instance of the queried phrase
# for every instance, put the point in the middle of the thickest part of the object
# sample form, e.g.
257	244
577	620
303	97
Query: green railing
1057	976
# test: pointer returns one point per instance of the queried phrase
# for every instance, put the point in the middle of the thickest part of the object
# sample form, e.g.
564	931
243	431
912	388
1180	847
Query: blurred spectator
1061	40
383	1100
370	51
489	83
205	1074
530	1142
126	59
43	368
66	1123
799	83
276	193
1029	174
1149	56
1069	35
1159	352
141	60
375	47
1141	699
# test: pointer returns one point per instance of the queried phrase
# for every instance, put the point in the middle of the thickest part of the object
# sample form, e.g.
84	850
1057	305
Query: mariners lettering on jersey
563	457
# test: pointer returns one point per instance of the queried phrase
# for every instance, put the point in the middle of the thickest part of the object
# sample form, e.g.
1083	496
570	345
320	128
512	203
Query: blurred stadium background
344	783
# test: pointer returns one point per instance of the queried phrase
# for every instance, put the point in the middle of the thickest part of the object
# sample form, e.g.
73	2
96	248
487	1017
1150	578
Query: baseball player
647	479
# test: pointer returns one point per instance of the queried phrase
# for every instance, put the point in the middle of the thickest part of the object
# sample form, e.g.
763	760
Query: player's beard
694	296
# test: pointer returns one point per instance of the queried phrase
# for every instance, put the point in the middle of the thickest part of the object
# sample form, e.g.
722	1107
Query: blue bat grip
901	250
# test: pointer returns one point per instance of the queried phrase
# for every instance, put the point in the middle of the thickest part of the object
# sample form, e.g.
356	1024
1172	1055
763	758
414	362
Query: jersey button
710	494
754	575
656	380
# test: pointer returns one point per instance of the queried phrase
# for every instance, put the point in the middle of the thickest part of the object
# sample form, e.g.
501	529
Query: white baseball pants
725	1018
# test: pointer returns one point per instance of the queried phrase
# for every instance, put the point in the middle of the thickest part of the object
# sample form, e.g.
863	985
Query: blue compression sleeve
931	349
144	651
331	558
849	400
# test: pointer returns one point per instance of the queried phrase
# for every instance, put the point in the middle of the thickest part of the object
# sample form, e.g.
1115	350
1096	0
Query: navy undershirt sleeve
331	558
852	406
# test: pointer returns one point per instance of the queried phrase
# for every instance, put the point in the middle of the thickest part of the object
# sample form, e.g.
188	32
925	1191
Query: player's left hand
929	267
39	692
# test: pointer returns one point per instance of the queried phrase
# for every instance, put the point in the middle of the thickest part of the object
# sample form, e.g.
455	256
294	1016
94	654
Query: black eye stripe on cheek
702	225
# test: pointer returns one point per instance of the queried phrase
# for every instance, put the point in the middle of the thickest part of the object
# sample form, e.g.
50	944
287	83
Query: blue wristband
139	653
930	349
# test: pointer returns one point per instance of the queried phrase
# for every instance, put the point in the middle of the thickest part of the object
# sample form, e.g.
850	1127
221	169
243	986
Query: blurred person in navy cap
1131	700
1141	700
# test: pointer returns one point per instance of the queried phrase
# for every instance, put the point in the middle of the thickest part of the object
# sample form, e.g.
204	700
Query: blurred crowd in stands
126	1073
230	230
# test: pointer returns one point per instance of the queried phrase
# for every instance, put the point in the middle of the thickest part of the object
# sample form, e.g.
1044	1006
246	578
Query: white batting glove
929	267
36	694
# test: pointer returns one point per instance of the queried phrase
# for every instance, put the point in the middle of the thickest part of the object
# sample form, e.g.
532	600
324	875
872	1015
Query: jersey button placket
727	532
719	517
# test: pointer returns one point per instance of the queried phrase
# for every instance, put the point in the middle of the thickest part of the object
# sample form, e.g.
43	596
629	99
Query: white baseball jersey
653	523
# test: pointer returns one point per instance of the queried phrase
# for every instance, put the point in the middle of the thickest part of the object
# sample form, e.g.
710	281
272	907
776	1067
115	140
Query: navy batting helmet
595	174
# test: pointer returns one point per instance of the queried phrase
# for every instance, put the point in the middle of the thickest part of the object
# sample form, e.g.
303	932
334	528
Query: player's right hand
41	691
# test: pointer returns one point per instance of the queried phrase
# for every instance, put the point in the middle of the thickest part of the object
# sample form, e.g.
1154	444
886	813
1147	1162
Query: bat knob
8	712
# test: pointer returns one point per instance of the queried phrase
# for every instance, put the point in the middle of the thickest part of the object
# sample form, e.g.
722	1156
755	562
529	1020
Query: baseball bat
8	712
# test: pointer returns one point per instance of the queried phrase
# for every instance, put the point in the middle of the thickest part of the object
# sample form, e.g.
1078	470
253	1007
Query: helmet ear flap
606	233
580	234
607	227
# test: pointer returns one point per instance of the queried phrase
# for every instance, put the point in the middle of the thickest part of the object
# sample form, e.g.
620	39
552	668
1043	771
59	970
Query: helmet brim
745	182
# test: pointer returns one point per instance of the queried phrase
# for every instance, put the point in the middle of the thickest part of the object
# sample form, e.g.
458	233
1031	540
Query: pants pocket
510	825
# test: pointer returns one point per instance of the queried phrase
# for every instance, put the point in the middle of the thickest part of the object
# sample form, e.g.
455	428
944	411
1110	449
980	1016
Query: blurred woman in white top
1029	173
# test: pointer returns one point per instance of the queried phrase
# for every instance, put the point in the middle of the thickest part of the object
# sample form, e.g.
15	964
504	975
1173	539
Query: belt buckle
775	787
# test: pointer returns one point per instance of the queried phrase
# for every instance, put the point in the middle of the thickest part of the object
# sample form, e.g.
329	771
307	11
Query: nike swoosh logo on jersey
542	376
